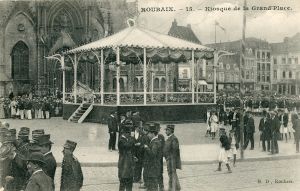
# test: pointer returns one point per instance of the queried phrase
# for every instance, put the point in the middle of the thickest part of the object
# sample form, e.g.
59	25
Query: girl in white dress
290	125
214	124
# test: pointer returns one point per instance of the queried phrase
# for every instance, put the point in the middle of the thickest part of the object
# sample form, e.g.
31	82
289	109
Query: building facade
255	75
31	30
286	66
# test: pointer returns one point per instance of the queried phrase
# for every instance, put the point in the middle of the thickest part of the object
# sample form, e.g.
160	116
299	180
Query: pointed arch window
20	61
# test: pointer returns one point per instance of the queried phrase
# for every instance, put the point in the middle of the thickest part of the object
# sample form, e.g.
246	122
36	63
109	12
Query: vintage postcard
149	95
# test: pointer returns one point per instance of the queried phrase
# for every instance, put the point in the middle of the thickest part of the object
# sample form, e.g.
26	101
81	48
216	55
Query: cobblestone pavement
247	176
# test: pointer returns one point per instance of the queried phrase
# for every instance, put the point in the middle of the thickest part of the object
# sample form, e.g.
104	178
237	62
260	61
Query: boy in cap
126	159
71	175
45	145
38	181
172	156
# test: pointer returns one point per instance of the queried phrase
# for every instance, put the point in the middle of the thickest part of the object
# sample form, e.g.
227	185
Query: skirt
290	128
281	129
223	156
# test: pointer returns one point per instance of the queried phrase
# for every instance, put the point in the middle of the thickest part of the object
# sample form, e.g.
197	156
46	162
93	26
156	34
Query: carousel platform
163	113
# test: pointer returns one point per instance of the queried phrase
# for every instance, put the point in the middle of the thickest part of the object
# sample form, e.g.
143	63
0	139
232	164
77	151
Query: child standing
223	154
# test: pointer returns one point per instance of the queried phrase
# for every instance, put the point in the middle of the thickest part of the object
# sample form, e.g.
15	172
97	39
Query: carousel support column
193	76
118	76
215	76
167	83
75	78
145	76
102	78
64	78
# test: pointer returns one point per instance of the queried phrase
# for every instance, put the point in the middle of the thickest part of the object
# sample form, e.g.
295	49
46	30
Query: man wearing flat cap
126	159
172	156
161	138
71	175
45	145
38	181
152	159
112	124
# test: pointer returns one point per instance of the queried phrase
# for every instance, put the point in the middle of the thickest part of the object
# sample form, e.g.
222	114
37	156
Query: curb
273	158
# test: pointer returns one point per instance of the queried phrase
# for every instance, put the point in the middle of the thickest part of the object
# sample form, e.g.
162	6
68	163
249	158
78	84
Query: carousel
137	69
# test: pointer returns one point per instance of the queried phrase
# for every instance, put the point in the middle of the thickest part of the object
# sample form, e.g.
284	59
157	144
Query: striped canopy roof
136	36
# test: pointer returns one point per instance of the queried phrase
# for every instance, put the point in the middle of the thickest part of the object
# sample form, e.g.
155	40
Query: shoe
218	169
252	149
229	171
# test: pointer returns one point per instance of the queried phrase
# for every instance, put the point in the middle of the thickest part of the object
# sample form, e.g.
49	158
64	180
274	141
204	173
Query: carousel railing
137	98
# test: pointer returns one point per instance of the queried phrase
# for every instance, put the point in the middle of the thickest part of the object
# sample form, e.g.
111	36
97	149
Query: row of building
268	66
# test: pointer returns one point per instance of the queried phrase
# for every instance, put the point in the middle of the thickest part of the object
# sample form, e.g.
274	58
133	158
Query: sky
271	25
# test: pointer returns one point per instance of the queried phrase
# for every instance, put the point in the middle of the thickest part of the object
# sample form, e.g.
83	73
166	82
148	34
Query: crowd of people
141	152
273	126
30	107
28	164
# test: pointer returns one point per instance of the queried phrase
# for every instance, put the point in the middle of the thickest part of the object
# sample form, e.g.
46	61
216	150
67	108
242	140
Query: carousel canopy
143	38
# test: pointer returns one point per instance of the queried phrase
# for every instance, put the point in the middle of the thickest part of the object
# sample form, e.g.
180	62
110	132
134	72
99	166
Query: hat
44	140
37	133
152	128
272	112
157	125
34	147
9	137
37	157
70	145
146	126
24	133
5	150
171	127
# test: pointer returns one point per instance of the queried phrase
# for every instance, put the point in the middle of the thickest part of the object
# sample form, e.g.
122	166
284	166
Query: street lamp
62	63
217	55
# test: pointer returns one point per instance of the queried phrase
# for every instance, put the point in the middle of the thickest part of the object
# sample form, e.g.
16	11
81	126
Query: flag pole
215	32
242	64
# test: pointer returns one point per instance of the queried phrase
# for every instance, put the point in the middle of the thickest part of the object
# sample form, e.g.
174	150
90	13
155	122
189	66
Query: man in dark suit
265	131
45	145
161	138
172	156
38	181
275	126
249	131
126	159
152	159
71	174
139	153
112	130
296	127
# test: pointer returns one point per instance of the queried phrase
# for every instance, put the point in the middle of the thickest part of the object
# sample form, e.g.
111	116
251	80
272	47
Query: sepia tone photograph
154	95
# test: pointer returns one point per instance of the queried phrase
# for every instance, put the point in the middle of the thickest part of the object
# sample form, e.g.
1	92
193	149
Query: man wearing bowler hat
45	145
38	181
126	159
152	159
71	175
172	156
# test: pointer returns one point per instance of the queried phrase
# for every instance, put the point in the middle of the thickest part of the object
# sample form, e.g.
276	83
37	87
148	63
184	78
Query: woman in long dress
13	108
214	124
290	125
